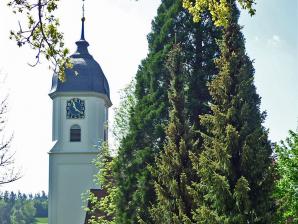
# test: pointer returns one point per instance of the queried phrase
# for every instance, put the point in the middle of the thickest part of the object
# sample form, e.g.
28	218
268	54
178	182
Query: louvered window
75	133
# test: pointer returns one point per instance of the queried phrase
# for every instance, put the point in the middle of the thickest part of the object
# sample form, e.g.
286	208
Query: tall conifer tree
235	165
145	138
173	170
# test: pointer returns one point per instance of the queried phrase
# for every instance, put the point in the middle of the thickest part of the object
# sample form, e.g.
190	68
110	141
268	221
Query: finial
83	8
83	21
82	43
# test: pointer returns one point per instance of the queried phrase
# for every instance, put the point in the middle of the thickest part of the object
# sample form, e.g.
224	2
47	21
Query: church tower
80	114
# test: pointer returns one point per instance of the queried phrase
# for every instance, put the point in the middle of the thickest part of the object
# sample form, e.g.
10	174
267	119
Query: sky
116	31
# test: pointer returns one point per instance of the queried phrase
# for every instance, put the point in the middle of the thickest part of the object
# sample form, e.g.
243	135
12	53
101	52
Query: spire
83	22
82	43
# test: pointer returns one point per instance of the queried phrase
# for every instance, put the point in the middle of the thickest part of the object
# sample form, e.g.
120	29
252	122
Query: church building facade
80	115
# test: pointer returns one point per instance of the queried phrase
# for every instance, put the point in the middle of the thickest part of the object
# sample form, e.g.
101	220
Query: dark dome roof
86	74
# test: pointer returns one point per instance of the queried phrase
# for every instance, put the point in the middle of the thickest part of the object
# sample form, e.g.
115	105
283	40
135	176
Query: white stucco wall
70	176
92	126
71	171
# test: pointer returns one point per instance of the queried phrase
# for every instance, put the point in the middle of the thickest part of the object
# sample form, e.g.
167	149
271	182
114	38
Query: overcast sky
116	31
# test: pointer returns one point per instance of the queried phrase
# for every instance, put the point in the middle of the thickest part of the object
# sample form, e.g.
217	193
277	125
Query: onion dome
86	74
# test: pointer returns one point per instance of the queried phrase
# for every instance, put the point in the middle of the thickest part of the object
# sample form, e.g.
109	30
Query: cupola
86	74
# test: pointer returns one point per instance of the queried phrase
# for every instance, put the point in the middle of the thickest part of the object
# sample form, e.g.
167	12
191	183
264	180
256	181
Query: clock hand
77	110
74	106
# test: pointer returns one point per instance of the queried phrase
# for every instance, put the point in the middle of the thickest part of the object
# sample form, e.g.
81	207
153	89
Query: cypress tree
173	170
146	135
235	165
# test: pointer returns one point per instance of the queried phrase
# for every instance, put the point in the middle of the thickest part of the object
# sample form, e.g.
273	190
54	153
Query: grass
41	220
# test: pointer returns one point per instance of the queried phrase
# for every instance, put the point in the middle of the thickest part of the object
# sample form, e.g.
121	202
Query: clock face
75	109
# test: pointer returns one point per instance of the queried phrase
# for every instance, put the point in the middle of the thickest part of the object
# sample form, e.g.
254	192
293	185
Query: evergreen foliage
146	135
41	204
21	208
173	170
286	191
235	165
23	212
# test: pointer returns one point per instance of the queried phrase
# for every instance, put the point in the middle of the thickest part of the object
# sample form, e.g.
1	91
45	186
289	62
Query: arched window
75	133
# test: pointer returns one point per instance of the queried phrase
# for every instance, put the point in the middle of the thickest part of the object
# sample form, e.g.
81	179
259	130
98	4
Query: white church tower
80	113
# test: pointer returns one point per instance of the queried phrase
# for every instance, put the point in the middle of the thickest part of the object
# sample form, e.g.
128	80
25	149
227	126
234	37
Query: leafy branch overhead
41	32
219	9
